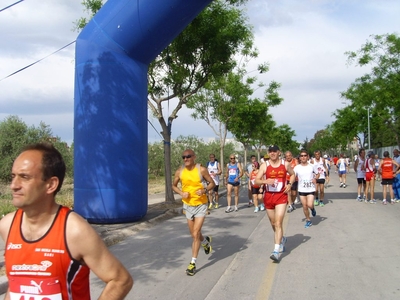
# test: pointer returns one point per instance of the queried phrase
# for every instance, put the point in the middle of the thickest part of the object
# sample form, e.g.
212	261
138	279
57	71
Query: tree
378	90
227	102
15	134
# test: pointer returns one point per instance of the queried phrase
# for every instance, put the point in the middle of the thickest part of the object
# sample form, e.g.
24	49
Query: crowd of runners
275	184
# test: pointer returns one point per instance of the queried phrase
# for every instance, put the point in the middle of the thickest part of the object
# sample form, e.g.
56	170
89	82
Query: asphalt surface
351	252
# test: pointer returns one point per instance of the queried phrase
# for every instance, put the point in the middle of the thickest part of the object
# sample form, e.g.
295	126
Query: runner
370	178
307	180
214	169
359	168
273	175
194	198
386	167
293	189
342	166
320	168
234	172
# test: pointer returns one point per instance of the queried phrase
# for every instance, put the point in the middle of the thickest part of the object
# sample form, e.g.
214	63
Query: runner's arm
86	246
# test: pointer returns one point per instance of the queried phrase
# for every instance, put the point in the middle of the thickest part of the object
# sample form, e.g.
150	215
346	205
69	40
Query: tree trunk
166	133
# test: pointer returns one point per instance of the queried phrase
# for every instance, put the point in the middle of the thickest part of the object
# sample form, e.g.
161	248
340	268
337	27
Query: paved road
351	252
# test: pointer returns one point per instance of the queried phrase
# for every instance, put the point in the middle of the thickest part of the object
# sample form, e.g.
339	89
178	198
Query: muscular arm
175	184
86	246
259	178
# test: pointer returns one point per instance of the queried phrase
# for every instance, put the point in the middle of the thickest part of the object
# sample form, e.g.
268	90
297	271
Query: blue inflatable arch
110	123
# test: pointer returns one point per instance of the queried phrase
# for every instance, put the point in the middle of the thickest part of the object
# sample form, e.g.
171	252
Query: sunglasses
231	157
303	155
186	156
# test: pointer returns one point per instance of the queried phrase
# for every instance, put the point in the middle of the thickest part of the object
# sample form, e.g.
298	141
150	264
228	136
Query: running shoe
256	209
373	201
308	224
341	184
210	206
207	247
392	201
321	203
297	201
290	208
262	207
313	212
191	269
344	185
384	202
236	208
216	205
396	200
282	245
250	203
316	202
359	198
274	256
365	200
229	209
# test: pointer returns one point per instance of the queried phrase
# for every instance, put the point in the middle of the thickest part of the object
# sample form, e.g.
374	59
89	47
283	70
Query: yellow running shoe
191	269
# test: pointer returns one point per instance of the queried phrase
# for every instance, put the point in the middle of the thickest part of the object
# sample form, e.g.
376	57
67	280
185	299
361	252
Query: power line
30	65
11	5
154	128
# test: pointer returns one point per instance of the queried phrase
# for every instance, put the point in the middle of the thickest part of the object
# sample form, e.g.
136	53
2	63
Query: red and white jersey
44	269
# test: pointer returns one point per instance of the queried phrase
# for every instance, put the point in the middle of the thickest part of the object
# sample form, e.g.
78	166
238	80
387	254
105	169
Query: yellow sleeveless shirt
191	182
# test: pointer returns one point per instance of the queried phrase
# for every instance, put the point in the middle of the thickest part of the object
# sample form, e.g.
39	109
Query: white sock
276	247
193	260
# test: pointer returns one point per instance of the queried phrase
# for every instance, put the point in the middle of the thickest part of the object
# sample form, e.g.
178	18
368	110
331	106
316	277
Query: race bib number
276	186
307	184
34	288
232	172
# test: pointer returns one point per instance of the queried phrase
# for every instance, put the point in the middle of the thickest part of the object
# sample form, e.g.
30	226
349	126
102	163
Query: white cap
325	156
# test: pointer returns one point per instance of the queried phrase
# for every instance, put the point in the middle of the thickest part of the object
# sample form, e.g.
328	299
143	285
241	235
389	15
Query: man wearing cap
273	175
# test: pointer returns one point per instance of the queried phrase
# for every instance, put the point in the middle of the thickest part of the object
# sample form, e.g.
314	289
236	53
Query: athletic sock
205	242
276	247
193	260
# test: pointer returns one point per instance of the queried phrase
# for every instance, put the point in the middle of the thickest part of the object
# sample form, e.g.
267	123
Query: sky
304	42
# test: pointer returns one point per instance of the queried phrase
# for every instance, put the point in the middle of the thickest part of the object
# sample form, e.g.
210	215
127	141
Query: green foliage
91	7
201	148
325	141
15	134
378	90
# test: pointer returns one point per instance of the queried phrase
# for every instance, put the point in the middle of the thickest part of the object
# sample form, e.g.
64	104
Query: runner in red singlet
273	175
50	249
